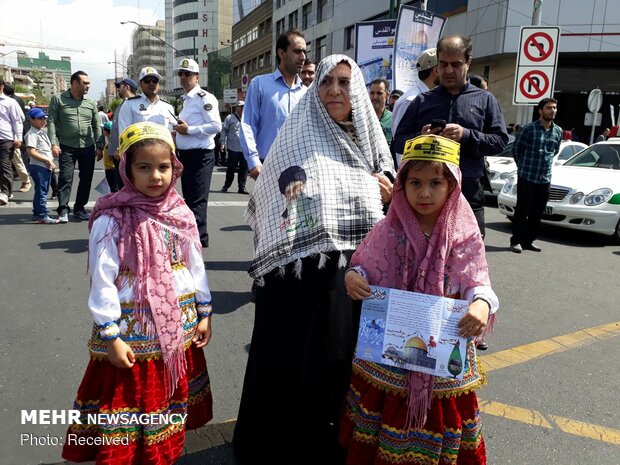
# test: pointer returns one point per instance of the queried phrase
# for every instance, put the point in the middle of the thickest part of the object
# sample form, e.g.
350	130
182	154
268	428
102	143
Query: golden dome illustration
416	343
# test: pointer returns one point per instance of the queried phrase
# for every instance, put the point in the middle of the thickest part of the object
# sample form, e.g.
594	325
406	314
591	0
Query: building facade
253	45
148	49
195	28
44	62
589	54
589	46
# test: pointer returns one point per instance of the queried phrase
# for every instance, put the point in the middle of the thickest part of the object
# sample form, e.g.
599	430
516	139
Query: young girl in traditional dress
429	242
151	304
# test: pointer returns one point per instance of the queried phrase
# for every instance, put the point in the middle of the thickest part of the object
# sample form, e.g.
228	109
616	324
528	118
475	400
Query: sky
89	25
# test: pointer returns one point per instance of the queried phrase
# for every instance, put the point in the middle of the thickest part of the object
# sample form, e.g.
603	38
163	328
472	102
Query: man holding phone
471	115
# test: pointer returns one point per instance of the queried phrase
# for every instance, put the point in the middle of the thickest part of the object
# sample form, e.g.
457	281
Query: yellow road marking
534	350
554	345
535	418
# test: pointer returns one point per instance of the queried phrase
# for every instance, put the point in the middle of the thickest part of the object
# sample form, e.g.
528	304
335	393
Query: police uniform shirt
139	108
201	113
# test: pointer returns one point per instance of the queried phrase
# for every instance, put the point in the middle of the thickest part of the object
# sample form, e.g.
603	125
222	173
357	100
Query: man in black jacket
472	117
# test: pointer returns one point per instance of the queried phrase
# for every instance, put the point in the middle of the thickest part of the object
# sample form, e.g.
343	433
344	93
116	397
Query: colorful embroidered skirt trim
373	423
133	393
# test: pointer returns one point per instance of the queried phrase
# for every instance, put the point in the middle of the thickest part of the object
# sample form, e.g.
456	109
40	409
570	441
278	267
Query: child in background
108	163
39	149
429	242
150	299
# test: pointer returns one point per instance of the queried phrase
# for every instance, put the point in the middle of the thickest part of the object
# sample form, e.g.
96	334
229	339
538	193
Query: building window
306	11
293	20
185	17
268	59
308	49
268	26
321	48
280	27
349	37
321	10
183	34
261	61
280	3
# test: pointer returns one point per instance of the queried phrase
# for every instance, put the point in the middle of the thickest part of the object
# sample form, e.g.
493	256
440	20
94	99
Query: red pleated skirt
140	391
373	428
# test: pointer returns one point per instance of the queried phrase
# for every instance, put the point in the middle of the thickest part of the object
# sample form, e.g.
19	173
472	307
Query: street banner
416	30
374	46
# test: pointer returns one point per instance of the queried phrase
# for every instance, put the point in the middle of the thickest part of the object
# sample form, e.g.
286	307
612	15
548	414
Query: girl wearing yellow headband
151	304
429	242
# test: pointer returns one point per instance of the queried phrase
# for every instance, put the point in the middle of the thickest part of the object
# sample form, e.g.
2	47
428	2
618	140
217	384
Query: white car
584	193
502	166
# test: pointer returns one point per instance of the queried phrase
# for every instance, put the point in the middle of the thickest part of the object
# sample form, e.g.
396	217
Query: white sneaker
47	220
64	218
3	199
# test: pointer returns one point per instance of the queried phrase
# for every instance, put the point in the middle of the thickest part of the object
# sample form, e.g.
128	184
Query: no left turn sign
538	47
536	63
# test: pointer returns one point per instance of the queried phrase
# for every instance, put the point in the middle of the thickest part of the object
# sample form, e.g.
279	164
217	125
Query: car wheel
616	235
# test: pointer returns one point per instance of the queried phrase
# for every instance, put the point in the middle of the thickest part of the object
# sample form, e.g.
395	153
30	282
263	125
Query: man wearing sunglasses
146	106
196	128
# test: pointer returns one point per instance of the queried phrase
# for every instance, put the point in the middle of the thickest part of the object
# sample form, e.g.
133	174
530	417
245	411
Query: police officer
146	106
197	125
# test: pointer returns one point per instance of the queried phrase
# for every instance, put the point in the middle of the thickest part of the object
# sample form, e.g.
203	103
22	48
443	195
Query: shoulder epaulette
134	97
202	93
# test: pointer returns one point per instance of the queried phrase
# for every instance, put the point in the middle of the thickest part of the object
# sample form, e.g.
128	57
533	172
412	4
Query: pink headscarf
396	254
142	222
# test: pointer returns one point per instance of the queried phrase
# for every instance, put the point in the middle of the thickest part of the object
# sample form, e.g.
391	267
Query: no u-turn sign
536	64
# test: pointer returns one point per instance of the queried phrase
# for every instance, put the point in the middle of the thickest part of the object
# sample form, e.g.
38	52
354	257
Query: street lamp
2	55
142	28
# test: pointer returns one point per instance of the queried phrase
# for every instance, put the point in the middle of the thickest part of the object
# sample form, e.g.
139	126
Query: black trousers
531	201
236	164
117	174
196	183
85	158
474	194
6	168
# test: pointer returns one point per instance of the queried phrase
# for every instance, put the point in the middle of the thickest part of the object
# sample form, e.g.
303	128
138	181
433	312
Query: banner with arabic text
374	47
416	30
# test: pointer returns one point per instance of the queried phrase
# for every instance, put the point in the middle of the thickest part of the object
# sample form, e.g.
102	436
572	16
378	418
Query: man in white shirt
428	78
197	125
146	106
11	129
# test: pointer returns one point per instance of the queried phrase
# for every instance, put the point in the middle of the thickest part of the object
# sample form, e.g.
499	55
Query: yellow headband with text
432	148
145	130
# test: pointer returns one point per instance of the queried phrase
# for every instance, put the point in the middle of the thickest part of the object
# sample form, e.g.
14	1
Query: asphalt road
572	285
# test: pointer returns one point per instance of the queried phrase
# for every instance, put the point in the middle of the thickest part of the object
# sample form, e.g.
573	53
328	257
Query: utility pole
524	111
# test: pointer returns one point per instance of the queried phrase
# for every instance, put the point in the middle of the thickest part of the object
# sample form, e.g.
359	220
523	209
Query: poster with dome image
417	332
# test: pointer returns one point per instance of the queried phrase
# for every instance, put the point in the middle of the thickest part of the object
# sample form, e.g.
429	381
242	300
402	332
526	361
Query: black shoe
516	248
243	191
482	345
224	189
533	247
